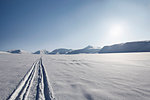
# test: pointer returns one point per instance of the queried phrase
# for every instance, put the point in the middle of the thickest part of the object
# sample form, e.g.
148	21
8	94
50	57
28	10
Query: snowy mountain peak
18	51
3	52
89	47
136	46
60	51
41	52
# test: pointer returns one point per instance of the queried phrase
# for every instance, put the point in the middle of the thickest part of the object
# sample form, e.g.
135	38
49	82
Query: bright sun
116	30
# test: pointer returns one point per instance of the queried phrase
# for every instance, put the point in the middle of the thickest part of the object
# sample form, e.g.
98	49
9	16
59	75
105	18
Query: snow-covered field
118	76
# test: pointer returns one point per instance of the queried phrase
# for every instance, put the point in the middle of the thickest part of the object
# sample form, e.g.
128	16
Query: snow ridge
42	90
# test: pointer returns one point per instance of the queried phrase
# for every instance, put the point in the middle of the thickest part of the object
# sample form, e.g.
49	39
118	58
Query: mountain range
136	46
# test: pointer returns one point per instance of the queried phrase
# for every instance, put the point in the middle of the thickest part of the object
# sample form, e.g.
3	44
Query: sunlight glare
116	30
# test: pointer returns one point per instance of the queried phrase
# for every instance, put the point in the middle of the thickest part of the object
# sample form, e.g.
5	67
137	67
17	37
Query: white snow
121	76
100	76
13	67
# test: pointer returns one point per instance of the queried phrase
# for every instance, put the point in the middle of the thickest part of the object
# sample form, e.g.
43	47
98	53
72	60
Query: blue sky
48	24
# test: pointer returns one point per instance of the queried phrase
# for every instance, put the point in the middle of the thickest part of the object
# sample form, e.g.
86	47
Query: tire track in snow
43	90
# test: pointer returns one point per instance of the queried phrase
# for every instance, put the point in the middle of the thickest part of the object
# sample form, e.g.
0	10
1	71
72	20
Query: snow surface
13	67
121	76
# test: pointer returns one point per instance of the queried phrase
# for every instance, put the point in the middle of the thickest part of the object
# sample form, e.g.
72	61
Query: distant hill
18	51
60	51
88	49
3	52
138	46
41	52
